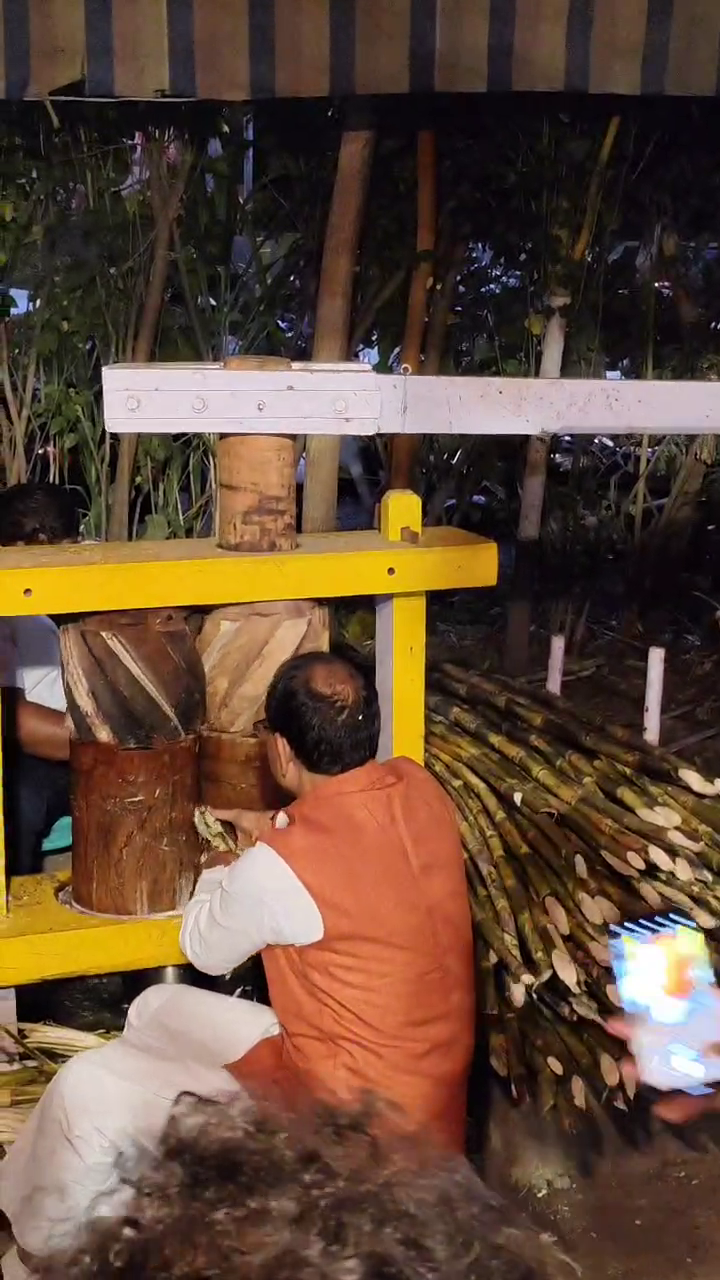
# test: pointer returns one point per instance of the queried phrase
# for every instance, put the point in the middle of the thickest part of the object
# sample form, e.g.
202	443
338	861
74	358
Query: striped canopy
245	49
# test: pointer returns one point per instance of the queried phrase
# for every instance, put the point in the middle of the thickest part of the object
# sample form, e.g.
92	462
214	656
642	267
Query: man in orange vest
355	897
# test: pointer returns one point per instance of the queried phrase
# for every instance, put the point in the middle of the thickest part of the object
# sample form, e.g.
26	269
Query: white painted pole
556	662
652	713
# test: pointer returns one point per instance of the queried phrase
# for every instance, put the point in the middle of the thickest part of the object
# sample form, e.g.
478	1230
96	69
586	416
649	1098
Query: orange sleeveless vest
385	1002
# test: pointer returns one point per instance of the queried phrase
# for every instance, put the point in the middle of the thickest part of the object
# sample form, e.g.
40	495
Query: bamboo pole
403	449
332	323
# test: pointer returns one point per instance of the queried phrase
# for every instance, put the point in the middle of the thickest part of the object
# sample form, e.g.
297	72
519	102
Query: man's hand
250	825
675	1108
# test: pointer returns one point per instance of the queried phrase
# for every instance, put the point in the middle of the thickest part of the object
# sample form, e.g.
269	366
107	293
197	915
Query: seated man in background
355	899
240	1196
35	734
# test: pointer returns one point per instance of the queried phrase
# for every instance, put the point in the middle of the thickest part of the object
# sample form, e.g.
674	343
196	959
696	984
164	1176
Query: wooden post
257	508
652	711
404	449
135	848
332	321
556	663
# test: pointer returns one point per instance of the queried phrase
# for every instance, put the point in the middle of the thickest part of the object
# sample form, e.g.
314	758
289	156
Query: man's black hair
327	710
38	514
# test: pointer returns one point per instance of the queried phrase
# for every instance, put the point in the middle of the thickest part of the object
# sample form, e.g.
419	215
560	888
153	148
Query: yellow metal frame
39	937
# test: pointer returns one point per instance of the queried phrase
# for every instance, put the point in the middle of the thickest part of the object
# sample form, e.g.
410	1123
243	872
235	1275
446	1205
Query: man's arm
240	909
39	731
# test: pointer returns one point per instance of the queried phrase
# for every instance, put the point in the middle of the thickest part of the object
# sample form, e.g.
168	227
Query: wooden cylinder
135	848
133	678
241	647
256	480
234	773
256	493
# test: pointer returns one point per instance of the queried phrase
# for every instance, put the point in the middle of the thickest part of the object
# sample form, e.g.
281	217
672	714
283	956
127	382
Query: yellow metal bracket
42	938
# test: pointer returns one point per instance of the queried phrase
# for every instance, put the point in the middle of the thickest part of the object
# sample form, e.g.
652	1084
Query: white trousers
107	1104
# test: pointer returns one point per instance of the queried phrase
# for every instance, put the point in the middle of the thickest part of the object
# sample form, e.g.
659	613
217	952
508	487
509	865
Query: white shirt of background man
30	660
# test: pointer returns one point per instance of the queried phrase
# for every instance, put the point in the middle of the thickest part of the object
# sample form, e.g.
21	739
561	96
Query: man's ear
283	751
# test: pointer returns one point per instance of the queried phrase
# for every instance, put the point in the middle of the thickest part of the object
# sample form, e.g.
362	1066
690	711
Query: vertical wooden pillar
400	642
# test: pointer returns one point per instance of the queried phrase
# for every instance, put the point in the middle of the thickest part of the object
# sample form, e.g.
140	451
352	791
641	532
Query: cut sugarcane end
555	1065
613	995
651	895
623	868
684	842
581	868
557	915
704	919
659	858
610	913
565	969
517	992
660	816
590	908
683	870
636	861
609	1070
577	1089
600	952
697	783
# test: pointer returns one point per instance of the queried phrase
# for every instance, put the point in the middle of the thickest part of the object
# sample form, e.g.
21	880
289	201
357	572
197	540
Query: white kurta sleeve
238	910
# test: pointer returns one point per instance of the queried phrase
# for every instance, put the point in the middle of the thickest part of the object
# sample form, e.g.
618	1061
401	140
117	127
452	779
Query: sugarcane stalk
471	817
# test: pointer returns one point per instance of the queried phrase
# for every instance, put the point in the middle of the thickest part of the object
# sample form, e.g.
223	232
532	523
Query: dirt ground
649	1216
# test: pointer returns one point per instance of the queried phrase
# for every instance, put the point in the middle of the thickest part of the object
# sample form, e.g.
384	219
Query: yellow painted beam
96	577
42	939
400	641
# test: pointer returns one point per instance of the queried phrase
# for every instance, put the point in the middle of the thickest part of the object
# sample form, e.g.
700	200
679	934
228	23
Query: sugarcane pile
33	1054
567	827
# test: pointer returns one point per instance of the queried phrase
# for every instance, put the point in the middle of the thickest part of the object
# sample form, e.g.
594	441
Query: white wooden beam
354	400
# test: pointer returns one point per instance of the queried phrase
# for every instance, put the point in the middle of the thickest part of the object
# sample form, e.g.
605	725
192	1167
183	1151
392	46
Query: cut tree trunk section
241	647
135	848
235	774
332	322
133	679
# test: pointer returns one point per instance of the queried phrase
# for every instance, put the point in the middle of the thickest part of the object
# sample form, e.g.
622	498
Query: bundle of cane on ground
568	827
30	1055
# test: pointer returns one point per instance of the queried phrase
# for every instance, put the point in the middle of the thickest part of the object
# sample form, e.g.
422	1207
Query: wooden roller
134	679
135	847
256	482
